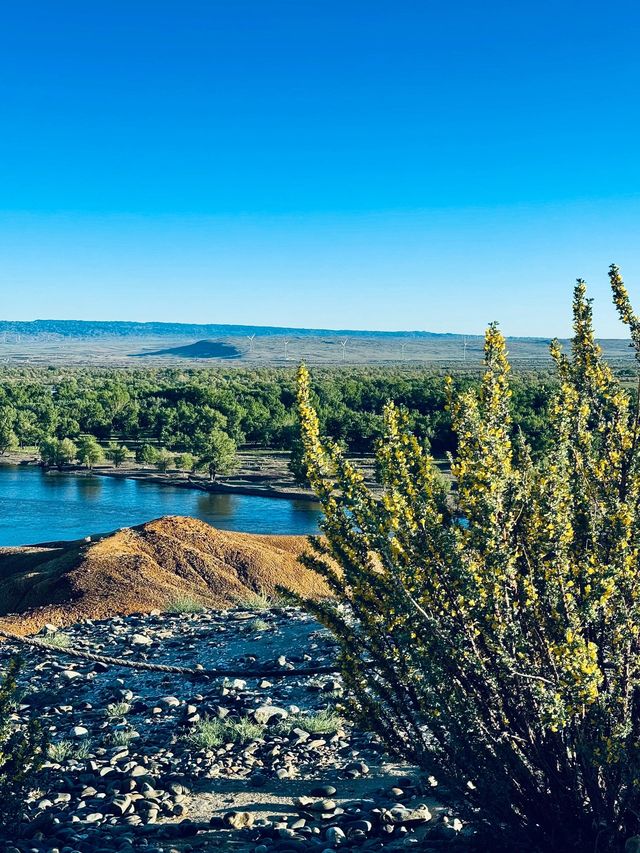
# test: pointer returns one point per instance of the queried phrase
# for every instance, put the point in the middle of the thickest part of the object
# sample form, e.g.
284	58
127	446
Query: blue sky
335	164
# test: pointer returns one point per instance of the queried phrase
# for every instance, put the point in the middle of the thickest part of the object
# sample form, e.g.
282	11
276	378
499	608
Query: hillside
142	568
201	349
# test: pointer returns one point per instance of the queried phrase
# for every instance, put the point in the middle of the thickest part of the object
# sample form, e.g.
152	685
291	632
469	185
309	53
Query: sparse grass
213	733
324	722
245	730
122	738
185	604
259	600
63	750
254	601
117	709
259	625
58	640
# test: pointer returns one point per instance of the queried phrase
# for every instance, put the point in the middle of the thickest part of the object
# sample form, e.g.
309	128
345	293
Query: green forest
179	410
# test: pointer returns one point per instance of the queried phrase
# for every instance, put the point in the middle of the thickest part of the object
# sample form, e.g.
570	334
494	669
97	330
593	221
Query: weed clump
22	750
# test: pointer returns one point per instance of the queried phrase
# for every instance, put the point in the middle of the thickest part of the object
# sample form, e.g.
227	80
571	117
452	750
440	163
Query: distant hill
201	349
118	328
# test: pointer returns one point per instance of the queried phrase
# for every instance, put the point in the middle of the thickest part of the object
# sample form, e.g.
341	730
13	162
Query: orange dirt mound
143	568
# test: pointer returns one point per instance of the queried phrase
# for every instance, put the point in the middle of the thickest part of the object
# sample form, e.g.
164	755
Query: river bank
259	473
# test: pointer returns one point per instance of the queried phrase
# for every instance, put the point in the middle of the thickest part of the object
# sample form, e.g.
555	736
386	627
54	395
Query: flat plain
137	345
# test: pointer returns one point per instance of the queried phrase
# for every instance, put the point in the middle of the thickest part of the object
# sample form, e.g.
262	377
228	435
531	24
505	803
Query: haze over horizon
345	166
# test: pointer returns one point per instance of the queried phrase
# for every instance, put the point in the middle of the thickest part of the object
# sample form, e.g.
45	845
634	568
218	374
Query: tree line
193	419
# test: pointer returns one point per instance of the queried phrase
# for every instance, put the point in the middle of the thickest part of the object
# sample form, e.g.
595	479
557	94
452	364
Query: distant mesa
201	349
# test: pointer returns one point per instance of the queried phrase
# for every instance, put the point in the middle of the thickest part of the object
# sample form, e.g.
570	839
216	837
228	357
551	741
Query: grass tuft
323	722
117	709
64	750
122	738
259	600
213	733
57	640
185	604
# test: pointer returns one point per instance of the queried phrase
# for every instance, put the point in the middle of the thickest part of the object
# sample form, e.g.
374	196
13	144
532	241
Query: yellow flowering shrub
492	634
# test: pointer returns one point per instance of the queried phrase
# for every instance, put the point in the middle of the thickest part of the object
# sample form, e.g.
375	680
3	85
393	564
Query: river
40	507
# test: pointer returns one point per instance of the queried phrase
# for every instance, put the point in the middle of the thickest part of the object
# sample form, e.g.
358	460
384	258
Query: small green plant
209	734
64	750
117	709
22	749
245	730
122	738
212	733
185	604
324	722
57	640
259	625
61	751
260	600
255	601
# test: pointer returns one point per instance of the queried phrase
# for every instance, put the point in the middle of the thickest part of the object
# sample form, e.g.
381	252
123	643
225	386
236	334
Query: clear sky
387	165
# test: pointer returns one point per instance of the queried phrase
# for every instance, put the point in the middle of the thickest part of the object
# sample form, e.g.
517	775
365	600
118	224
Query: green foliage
57	452
117	453
212	733
57	640
217	453
297	465
22	750
164	460
178	408
8	436
501	652
324	722
65	750
117	709
259	600
147	454
122	738
185	461
89	452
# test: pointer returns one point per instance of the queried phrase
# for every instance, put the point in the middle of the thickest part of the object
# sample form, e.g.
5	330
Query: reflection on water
212	506
40	507
89	488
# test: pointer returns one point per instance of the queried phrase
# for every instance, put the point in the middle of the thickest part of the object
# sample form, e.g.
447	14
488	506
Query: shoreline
228	485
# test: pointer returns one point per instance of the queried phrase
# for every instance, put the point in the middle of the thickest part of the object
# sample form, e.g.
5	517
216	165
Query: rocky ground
163	762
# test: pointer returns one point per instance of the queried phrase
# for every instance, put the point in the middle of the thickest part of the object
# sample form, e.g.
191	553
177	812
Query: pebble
79	732
126	783
141	640
266	714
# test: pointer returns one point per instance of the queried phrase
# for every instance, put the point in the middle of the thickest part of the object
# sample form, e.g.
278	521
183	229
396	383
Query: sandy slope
146	567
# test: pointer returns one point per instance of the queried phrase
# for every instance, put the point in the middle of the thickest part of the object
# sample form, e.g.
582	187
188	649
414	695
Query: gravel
162	762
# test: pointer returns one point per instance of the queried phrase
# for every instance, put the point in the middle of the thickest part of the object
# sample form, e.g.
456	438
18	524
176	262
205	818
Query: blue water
40	507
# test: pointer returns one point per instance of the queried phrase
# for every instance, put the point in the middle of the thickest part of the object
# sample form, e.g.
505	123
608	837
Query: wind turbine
251	339
343	344
286	350
465	344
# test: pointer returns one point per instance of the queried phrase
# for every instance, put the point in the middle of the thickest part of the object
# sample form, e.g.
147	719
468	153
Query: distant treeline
178	409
